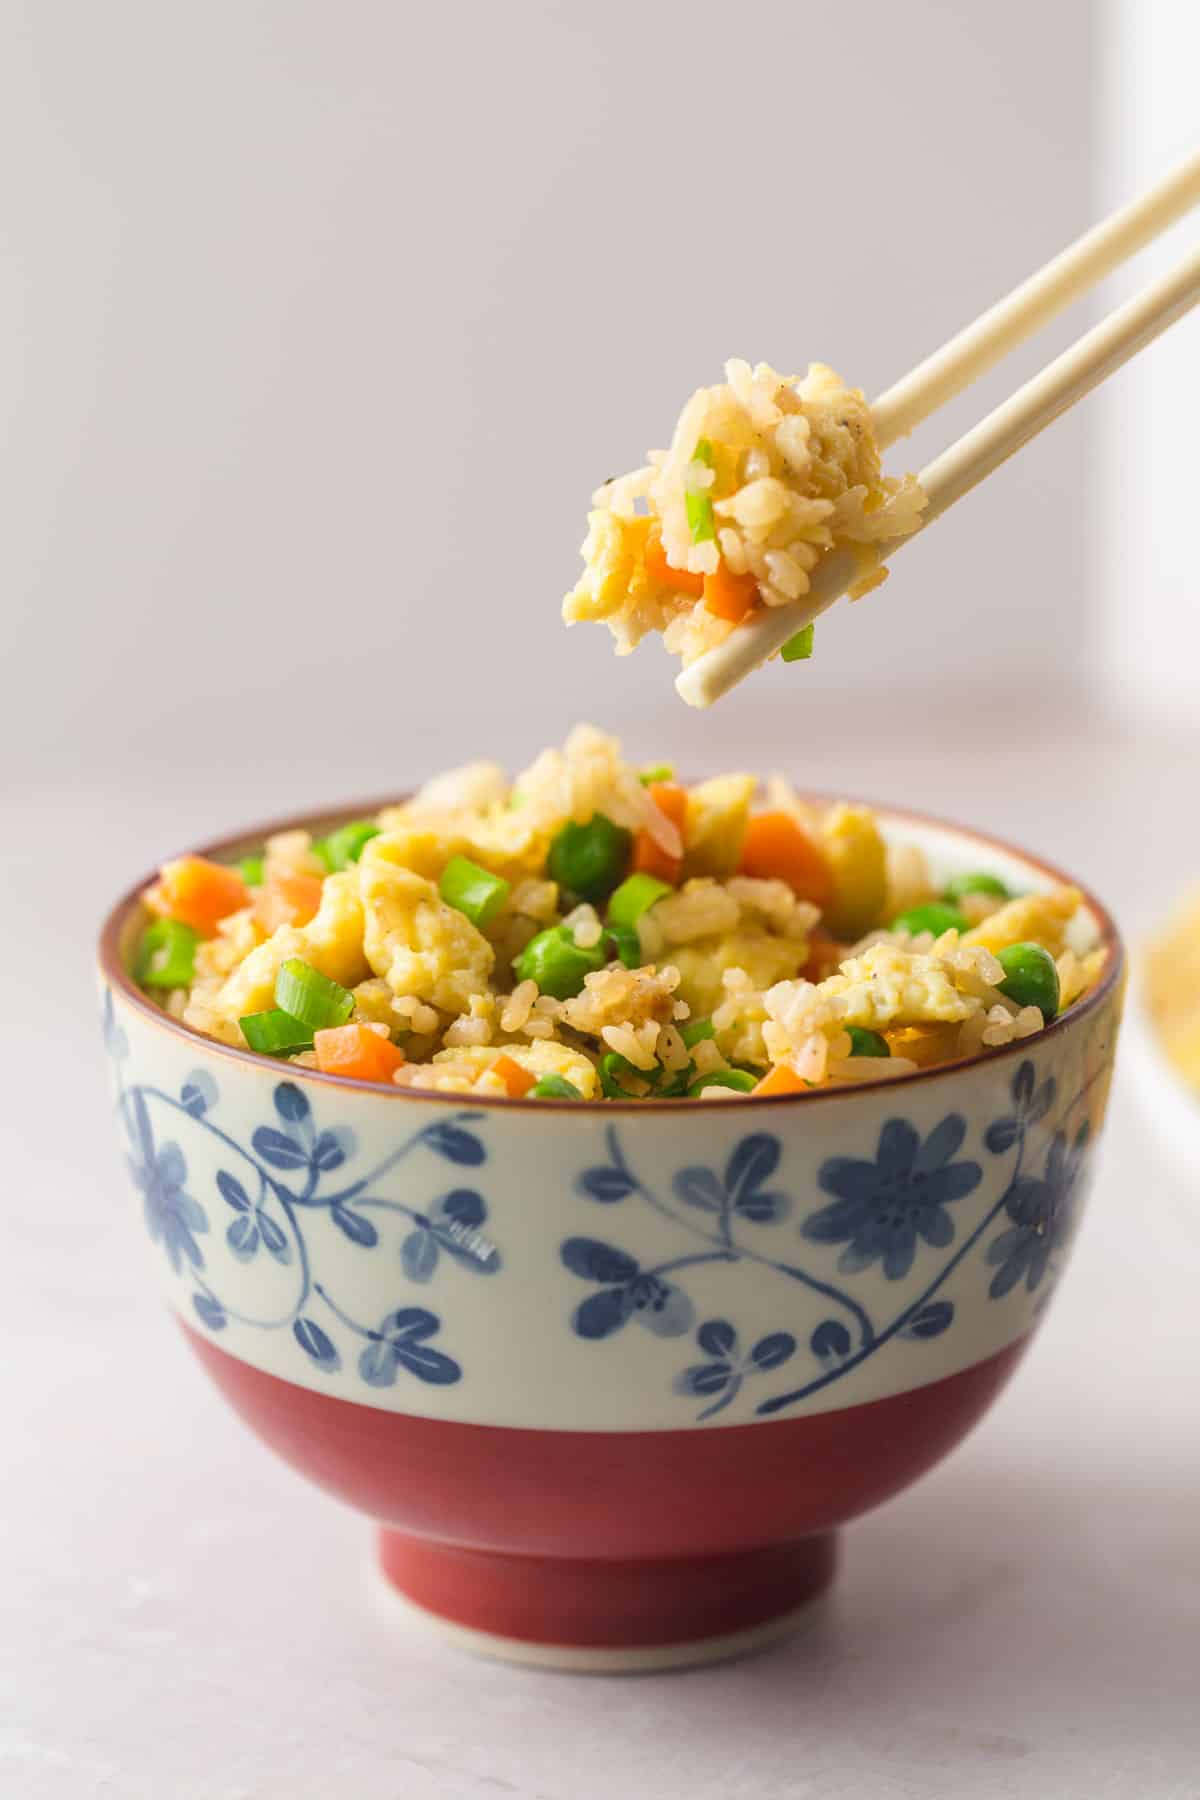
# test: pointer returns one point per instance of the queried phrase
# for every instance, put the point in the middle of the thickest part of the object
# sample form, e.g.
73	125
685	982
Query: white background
319	325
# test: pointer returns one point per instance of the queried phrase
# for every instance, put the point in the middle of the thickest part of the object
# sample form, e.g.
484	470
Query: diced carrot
356	1051
682	581
287	899
782	1079
649	857
825	956
777	846
517	1080
923	1044
728	595
197	892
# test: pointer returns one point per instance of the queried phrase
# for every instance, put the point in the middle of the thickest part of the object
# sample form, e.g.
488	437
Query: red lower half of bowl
610	1549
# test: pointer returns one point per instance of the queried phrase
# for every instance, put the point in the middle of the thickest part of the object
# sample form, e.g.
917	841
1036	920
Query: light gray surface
185	1620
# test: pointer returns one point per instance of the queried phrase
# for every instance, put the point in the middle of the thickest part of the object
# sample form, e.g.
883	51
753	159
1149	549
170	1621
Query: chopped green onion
800	647
934	916
740	1080
166	954
345	845
636	894
693	1031
303	993
613	1065
476	892
250	868
276	1033
656	772
626	945
867	1043
700	519
557	963
554	1087
589	860
978	883
672	1084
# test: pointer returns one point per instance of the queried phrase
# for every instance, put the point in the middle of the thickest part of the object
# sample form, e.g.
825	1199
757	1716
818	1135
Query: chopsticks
1063	382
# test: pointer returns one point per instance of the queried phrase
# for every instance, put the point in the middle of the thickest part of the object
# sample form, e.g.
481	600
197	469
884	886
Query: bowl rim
114	972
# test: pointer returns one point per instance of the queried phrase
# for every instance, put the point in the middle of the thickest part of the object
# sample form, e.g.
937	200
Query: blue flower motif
724	1374
883	1207
451	1225
1042	1210
173	1218
115	1040
629	1292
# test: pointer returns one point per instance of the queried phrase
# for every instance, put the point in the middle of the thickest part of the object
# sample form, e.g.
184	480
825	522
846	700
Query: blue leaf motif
700	1188
464	1208
607	1185
661	1307
1022	1087
455	1144
427	1364
357	1229
242	1236
198	1093
930	1321
718	1337
210	1311
419	1255
317	1344
603	1313
830	1341
328	1153
1001	1135
763	1209
280	1151
377	1364
754	1161
772	1350
274	1239
232	1191
594	1261
291	1103
704	1378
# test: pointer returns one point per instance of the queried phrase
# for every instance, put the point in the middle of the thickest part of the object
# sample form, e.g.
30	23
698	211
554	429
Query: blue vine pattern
269	1187
885	1210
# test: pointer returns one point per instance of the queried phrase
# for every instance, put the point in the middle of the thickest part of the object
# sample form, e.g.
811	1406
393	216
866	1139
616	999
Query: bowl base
609	1617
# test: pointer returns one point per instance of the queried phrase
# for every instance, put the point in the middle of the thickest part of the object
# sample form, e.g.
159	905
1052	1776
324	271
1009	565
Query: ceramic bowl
610	1377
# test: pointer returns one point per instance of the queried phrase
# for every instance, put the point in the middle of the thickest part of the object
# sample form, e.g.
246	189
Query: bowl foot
605	1616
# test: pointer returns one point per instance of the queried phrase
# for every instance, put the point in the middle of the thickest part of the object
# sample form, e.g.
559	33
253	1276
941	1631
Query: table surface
185	1620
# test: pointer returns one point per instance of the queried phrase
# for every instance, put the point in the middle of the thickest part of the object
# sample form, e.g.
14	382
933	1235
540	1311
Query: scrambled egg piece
715	824
418	944
331	943
1030	919
703	965
857	857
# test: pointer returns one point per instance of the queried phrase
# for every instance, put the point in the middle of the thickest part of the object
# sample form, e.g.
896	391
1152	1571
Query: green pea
934	916
557	963
693	1031
554	1087
866	1043
980	882
1030	978
590	860
740	1080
